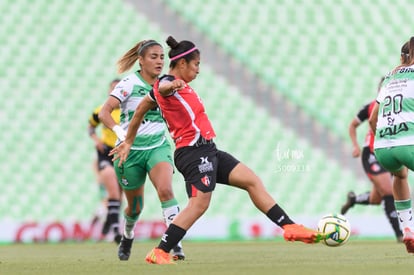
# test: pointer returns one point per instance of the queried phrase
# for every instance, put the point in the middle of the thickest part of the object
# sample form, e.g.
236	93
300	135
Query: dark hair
407	53
179	50
380	83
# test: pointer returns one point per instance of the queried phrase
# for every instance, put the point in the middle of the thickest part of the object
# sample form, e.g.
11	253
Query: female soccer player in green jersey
392	120
151	152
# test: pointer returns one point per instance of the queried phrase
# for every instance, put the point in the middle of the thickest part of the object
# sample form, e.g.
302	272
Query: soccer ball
337	229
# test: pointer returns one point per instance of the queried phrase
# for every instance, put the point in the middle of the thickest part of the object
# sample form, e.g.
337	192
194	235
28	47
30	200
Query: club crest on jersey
124	181
205	165
375	167
205	180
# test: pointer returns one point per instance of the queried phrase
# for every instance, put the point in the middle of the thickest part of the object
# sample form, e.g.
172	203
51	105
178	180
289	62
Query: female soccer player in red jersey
196	155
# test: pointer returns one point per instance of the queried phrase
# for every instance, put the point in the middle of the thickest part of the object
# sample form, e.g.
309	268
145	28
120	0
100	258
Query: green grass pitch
245	257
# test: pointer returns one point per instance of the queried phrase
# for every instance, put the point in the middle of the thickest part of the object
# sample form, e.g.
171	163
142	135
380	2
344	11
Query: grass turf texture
248	257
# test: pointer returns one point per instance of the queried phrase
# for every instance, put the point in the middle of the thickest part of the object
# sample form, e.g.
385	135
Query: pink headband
182	54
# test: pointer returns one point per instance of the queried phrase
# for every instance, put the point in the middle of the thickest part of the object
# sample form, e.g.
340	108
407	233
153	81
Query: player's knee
200	205
201	209
133	212
165	194
132	217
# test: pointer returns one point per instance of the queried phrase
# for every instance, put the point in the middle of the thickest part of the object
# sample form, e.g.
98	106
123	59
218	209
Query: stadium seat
57	71
336	54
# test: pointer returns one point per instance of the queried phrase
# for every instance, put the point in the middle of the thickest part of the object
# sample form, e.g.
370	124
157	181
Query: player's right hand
120	152
356	152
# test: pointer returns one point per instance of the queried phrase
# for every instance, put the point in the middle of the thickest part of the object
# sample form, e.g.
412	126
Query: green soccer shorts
394	158
132	173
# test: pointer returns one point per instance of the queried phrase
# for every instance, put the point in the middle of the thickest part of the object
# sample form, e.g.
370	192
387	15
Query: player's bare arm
121	151
374	117
356	152
168	87
105	113
106	118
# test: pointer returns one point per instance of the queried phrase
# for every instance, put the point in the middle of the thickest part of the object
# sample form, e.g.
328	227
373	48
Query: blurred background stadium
281	80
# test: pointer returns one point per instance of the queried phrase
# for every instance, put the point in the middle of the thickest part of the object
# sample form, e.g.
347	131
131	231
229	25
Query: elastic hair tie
183	54
147	44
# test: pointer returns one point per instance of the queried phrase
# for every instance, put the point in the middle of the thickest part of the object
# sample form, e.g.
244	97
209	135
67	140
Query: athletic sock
129	226
113	214
171	237
170	209
362	198
404	212
278	216
391	214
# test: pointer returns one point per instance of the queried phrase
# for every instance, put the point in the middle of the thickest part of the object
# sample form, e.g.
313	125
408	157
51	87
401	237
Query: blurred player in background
196	155
151	152
380	178
106	172
392	120
99	216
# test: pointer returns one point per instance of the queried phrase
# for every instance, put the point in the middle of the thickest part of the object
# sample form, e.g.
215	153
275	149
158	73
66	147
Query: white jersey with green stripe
130	91
395	126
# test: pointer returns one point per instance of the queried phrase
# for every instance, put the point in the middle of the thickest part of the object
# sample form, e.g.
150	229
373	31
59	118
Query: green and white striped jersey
130	91
395	126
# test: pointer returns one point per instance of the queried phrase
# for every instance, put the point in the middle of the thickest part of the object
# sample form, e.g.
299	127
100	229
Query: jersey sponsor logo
138	92
205	180
204	160
393	130
124	93
142	92
205	165
390	121
406	70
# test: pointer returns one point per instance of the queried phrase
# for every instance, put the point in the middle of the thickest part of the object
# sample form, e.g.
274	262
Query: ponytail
130	57
184	49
